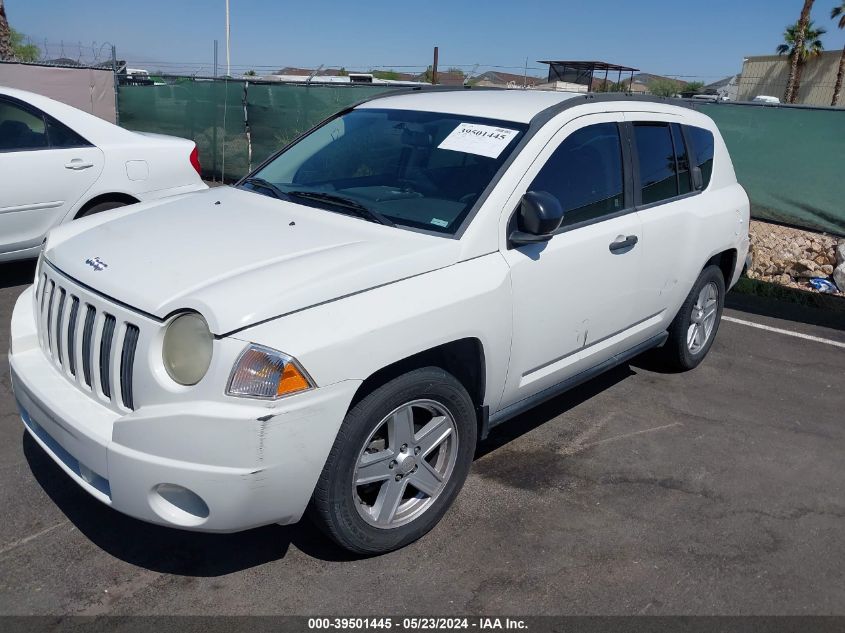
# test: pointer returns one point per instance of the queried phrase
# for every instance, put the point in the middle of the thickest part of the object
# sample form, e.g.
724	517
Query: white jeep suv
338	331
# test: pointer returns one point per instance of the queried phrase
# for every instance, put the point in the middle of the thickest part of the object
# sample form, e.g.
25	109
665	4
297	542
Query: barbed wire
98	53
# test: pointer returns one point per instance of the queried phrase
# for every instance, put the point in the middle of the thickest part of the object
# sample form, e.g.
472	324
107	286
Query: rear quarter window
702	151
62	136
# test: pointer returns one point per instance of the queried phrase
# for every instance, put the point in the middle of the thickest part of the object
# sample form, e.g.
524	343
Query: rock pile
791	257
839	273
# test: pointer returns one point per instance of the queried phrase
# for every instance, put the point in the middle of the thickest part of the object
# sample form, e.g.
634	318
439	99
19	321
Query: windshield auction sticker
484	140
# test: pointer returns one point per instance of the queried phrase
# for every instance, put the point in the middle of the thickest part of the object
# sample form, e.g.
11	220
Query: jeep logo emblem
96	263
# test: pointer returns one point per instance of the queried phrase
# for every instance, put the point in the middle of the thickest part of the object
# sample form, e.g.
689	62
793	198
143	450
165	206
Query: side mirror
539	216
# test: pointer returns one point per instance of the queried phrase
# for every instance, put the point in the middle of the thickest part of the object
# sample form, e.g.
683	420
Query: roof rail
603	97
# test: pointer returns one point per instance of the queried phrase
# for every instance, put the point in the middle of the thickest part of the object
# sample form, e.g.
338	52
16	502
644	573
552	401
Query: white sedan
58	163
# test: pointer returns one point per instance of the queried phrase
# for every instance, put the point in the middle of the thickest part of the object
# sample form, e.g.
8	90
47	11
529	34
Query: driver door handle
78	163
623	244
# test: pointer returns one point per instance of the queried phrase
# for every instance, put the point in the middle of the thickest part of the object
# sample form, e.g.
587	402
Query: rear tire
694	328
399	460
100	207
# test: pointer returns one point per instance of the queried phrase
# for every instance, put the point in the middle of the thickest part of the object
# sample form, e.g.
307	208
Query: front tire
399	460
694	328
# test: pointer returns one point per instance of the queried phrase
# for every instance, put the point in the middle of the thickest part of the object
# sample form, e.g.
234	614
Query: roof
585	65
831	54
506	78
307	72
363	79
647	78
508	105
721	83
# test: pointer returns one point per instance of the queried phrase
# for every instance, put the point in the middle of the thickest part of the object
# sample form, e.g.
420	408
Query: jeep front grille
104	345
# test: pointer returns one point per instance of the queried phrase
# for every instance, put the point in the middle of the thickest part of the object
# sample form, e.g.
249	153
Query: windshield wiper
269	186
345	203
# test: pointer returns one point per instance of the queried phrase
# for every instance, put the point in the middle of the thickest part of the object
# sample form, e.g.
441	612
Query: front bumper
217	466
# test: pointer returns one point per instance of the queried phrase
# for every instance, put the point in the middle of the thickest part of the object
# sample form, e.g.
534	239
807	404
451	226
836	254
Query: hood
238	257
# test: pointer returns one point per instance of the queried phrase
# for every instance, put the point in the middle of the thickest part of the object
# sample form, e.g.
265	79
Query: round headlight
186	351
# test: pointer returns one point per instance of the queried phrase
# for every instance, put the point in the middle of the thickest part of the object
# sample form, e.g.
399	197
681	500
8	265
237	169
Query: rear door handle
78	163
623	244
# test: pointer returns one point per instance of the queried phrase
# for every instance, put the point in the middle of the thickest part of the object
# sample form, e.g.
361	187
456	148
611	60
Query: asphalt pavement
717	491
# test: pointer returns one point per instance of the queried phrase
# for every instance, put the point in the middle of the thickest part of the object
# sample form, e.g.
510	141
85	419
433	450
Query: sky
703	41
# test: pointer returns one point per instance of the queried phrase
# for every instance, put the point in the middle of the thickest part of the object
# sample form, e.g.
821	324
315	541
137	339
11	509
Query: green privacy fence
789	159
235	124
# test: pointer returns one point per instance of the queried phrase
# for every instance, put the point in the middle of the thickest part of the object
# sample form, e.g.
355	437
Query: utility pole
116	85
434	66
228	44
215	59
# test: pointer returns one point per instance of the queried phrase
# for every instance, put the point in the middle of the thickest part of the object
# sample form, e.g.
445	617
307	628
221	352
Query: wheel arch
463	358
726	261
114	196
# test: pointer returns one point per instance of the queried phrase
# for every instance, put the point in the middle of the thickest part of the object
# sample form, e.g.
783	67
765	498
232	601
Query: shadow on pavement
17	273
168	550
779	309
179	552
542	413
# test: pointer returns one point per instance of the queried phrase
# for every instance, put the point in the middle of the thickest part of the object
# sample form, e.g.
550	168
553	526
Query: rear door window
20	129
656	155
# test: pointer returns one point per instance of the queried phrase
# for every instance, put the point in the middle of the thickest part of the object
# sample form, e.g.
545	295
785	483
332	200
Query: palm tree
795	66
839	12
6	51
800	50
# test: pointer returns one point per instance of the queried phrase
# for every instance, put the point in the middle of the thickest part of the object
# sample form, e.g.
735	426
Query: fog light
178	505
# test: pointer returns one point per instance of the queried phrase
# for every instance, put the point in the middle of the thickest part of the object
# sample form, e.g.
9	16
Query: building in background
768	74
322	75
726	89
497	79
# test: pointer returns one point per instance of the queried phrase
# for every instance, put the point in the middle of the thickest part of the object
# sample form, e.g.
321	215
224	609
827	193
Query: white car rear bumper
270	458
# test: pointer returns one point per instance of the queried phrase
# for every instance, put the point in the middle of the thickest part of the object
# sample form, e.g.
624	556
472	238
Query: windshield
417	169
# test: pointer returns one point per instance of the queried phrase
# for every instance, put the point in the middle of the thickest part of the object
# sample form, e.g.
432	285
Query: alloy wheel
405	463
703	318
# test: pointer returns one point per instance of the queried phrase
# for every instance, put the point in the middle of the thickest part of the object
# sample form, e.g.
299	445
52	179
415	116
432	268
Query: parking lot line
31	537
778	330
631	434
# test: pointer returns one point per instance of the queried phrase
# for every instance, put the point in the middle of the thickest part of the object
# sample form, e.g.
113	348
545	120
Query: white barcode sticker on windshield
484	140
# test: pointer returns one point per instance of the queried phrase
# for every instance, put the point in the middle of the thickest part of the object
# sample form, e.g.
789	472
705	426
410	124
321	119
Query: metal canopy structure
584	72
